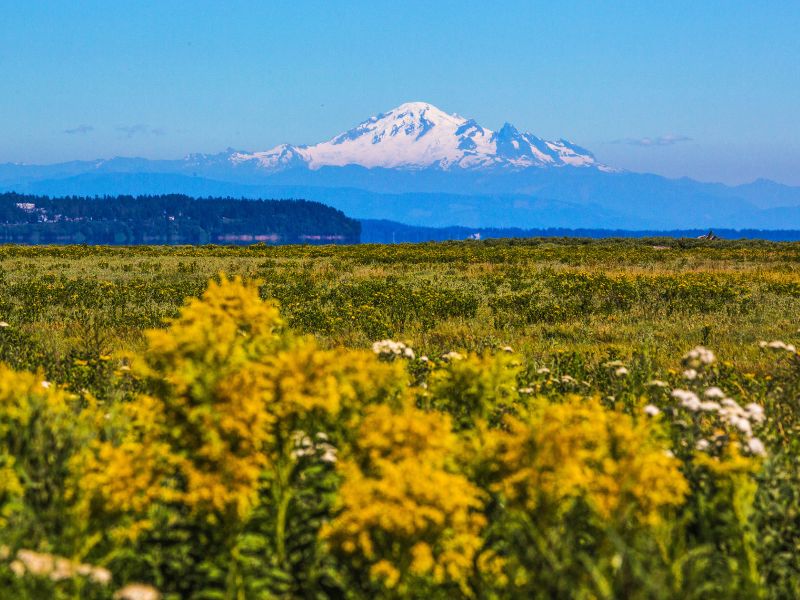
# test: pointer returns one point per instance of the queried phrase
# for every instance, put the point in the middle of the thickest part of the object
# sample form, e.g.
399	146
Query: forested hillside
170	219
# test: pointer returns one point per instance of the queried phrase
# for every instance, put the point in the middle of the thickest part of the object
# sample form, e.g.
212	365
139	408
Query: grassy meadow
547	418
545	297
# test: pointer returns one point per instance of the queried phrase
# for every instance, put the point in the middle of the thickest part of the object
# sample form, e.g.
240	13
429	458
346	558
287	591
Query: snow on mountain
418	135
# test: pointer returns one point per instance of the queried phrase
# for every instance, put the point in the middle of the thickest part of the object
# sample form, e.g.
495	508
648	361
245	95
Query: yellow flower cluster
579	449
32	414
231	386
201	441
225	328
405	510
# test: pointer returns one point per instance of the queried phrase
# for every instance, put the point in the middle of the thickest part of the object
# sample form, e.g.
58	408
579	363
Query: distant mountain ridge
419	165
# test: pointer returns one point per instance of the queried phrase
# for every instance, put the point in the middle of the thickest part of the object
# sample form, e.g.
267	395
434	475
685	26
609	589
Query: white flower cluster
690	374
699	357
137	591
452	356
729	411
777	345
391	349
57	568
3	324
690	401
618	368
304	445
695	361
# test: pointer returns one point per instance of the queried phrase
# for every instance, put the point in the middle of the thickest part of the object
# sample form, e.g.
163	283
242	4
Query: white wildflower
688	399
742	424
714	393
390	349
699	356
424	359
303	445
731	403
137	591
702	444
731	411
100	575
4	324
507	349
543	371
526	390
57	568
568	379
756	446
778	345
657	383
452	356
651	410
689	374
45	384
328	453
755	412
621	372
709	406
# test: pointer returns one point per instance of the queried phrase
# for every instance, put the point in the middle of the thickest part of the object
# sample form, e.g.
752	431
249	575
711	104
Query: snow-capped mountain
418	135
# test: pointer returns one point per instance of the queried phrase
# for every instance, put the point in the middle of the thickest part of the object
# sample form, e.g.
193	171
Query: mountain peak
419	135
416	106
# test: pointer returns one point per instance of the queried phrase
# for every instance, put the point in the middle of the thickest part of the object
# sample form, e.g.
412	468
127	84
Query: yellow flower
579	449
403	504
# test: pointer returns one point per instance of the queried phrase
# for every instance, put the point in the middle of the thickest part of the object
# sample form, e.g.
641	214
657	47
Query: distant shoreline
375	231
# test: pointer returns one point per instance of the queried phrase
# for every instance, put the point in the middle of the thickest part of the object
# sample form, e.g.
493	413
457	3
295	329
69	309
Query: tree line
170	219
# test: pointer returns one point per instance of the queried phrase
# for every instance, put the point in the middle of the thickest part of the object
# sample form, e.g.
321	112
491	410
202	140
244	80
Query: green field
534	445
545	297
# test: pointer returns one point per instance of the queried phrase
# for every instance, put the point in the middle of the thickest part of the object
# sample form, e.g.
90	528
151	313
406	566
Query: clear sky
708	89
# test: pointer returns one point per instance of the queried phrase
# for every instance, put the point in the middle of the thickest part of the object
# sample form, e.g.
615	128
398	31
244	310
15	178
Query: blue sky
706	89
